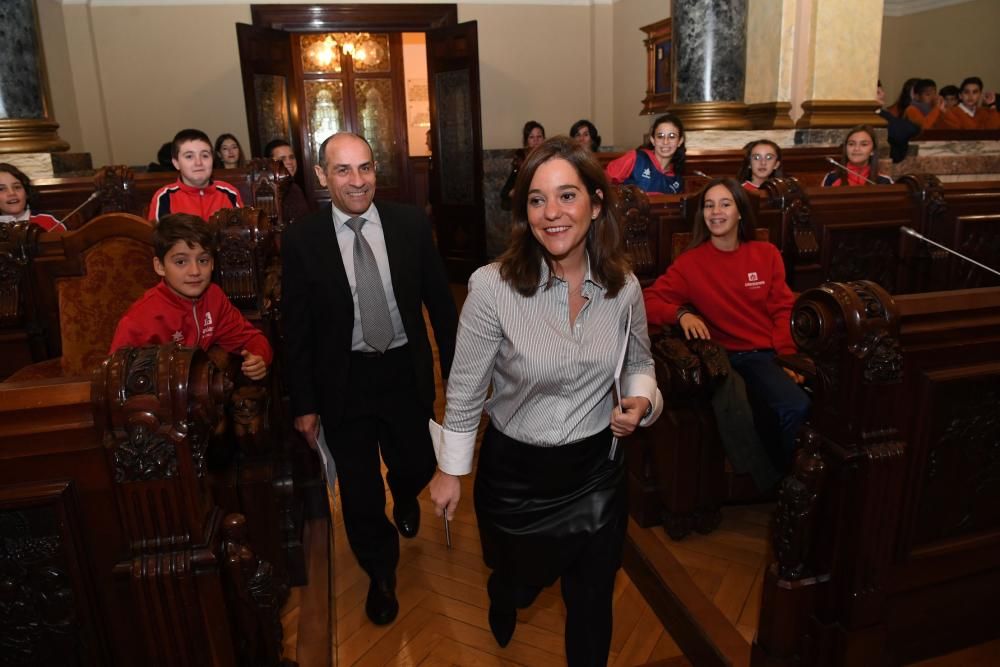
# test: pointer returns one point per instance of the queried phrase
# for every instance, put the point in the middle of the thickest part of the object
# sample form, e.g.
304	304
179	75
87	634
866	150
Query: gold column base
30	135
839	113
770	116
712	115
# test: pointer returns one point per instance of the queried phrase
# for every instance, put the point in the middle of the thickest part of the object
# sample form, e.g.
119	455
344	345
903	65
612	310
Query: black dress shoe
502	623
406	514
382	605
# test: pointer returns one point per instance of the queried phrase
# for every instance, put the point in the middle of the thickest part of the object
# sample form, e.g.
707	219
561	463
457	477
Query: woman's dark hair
218	151
520	264
748	222
595	138
745	173
680	155
30	193
872	161
905	97
528	127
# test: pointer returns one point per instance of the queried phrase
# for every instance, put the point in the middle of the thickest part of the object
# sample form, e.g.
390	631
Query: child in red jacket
194	191
187	307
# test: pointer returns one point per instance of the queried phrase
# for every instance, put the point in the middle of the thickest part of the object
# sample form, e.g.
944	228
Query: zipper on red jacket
197	327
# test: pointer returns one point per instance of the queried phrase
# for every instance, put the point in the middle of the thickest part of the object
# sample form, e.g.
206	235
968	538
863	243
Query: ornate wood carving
257	597
18	244
859	317
269	181
159	406
797	234
632	207
38	621
115	186
246	248
795	519
960	489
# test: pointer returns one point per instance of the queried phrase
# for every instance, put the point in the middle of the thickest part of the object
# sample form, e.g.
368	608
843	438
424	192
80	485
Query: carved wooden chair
157	408
21	342
114	192
85	281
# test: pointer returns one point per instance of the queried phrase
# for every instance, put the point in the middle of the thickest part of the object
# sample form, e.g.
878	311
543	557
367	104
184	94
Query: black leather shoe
502	623
382	605
406	514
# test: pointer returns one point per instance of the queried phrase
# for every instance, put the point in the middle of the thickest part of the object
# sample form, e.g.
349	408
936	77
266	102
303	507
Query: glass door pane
375	122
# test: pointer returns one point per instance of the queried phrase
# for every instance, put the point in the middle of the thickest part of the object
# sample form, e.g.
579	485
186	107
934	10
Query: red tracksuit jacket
179	197
162	316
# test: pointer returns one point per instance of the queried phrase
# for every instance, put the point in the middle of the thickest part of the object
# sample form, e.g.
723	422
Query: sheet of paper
618	376
437	440
329	468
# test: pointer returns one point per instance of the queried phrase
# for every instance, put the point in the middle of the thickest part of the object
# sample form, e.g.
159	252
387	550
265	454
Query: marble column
25	123
709	42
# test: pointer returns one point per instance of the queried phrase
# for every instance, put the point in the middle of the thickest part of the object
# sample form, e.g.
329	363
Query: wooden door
269	88
457	146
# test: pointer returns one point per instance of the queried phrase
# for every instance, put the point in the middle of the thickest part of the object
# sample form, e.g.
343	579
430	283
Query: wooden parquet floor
443	608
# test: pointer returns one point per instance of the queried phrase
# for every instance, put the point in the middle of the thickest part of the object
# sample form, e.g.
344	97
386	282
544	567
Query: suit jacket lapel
328	247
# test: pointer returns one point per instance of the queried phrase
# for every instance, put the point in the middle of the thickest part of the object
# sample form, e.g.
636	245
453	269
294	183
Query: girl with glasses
761	161
657	166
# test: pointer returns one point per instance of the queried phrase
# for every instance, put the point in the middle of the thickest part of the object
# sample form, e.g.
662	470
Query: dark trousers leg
767	382
587	589
381	413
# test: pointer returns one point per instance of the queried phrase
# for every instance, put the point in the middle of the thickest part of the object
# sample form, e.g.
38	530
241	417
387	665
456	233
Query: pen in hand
447	530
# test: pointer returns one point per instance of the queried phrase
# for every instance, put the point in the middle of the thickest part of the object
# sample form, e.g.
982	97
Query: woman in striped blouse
546	325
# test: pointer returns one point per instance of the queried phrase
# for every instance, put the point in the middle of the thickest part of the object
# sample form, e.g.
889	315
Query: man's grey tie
376	326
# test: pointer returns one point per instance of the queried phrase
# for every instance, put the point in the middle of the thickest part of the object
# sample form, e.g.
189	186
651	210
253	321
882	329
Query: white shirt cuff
453	450
644	385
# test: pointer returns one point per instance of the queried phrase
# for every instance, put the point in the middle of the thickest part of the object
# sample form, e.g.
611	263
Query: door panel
457	146
268	86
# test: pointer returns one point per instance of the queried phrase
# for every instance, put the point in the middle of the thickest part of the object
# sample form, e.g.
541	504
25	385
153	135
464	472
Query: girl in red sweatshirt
729	288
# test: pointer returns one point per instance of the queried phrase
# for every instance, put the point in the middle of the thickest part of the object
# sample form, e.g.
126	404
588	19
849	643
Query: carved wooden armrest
687	369
800	363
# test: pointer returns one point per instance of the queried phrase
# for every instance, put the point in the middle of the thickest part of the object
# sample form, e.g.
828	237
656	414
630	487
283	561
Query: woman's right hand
694	327
446	490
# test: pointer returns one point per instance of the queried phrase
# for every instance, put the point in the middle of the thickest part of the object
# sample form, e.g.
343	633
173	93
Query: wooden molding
30	135
770	116
712	115
839	113
367	17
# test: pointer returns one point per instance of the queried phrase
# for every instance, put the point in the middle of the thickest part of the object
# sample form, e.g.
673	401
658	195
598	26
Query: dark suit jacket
318	311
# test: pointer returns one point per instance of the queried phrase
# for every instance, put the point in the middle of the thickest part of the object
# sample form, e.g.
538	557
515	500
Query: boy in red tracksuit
194	191
187	307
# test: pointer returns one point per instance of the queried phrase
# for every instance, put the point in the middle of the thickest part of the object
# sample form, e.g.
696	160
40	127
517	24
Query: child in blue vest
658	167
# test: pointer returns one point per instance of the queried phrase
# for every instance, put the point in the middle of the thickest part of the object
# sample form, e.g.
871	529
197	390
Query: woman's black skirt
540	508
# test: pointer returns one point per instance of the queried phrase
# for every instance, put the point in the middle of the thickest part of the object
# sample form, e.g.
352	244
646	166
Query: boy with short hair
950	96
187	307
968	114
926	106
194	191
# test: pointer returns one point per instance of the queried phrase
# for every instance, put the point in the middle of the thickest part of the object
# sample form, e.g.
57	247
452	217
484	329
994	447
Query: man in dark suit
355	276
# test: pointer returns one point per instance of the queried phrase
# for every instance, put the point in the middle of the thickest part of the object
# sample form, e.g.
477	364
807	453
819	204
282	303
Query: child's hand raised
253	365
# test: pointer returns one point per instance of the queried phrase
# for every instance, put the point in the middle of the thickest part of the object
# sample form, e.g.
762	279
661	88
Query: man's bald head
337	140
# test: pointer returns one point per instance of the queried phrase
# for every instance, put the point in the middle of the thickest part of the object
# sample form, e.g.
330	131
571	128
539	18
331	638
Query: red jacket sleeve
665	296
234	333
126	334
779	306
621	168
